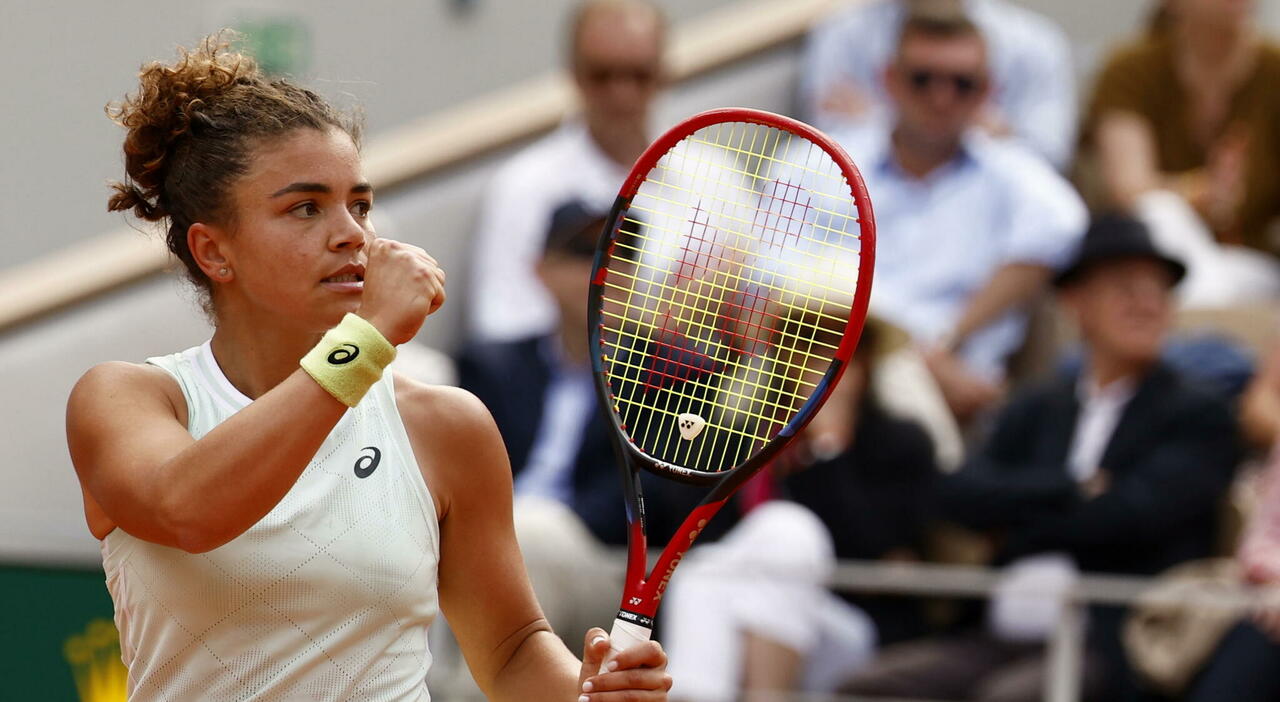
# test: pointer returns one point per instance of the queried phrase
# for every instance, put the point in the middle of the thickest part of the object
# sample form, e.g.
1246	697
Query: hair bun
171	103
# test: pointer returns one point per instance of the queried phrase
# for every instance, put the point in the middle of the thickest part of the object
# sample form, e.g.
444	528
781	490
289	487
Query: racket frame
643	589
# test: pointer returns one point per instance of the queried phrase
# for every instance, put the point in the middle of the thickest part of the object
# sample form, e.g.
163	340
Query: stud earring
224	271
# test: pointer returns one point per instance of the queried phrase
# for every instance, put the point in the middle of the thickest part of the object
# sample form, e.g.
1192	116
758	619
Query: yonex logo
345	353
690	425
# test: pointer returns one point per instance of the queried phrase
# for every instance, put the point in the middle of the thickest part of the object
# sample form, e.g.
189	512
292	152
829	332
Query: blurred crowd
1067	369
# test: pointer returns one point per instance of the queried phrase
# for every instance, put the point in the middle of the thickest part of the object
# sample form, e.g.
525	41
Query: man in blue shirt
970	228
1033	97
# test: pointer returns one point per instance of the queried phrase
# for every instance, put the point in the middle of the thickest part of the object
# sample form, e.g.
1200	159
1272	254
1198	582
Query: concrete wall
65	60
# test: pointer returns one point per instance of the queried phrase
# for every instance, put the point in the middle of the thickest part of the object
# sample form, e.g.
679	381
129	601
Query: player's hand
638	673
402	285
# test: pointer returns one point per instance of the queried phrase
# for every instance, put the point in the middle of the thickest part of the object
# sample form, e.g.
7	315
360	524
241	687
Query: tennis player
275	528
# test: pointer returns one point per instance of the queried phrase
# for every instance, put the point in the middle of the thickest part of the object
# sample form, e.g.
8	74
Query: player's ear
209	248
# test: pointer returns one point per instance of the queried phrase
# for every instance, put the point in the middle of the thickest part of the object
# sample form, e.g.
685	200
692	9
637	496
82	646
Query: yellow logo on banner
95	662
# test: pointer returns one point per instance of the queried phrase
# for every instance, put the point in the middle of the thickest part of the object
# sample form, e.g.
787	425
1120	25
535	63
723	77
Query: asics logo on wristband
365	465
345	353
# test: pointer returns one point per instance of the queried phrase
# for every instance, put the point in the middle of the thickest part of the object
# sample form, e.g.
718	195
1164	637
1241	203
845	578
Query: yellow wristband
349	359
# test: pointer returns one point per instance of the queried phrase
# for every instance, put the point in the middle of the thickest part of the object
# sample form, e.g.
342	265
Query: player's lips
348	279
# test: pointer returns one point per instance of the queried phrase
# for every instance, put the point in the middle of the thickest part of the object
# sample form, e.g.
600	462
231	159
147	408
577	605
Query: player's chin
334	307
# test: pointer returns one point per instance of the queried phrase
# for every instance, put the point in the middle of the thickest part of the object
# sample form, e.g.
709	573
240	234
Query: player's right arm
142	471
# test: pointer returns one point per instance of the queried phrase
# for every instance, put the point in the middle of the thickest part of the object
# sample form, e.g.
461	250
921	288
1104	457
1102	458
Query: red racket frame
642	591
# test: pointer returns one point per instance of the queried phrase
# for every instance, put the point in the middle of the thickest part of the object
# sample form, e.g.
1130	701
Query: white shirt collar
1116	392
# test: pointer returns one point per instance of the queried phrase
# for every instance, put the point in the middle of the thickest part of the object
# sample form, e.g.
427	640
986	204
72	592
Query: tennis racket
728	292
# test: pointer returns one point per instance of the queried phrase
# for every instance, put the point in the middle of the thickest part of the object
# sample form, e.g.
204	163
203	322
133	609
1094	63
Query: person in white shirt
970	228
615	58
279	517
1033	95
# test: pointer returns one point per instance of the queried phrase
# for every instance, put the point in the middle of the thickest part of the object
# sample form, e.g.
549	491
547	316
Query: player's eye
305	210
361	208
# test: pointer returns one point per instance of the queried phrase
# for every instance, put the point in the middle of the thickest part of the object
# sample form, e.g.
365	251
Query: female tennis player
279	529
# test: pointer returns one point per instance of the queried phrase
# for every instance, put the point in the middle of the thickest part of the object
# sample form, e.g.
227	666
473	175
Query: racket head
728	291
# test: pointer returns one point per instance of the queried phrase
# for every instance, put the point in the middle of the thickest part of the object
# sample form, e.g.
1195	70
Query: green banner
57	641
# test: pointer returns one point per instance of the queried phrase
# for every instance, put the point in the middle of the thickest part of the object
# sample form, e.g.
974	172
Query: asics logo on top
365	465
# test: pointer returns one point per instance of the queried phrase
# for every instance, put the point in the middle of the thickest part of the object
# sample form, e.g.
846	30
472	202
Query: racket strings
828	228
652	266
726	293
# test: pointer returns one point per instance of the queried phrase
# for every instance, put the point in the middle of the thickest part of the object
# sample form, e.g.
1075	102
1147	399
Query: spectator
569	502
1243	669
1185	126
1117	468
1260	405
615	57
972	227
751	615
1033	93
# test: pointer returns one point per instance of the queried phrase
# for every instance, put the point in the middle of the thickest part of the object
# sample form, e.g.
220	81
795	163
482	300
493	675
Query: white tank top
327	597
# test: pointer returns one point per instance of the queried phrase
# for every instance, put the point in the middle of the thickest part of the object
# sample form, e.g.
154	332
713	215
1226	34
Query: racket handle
622	636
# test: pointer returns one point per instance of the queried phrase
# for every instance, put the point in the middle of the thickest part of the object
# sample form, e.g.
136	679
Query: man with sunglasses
615	60
1033	99
971	228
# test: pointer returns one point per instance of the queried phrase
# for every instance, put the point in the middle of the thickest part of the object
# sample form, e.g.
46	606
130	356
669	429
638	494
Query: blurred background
451	89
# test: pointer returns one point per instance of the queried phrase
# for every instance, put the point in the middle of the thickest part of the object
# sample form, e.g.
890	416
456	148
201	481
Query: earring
223	271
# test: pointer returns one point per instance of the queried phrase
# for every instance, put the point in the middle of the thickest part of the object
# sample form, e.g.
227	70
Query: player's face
1124	308
300	225
617	66
938	85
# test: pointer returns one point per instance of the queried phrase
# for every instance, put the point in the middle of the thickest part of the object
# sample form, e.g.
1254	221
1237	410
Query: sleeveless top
327	597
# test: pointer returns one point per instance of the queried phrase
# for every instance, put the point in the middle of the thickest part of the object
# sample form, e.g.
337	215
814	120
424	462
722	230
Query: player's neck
257	356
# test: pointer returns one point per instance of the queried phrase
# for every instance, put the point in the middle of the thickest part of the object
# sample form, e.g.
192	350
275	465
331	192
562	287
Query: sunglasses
964	84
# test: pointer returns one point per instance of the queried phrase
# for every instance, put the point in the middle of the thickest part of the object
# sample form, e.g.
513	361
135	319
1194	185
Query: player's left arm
484	589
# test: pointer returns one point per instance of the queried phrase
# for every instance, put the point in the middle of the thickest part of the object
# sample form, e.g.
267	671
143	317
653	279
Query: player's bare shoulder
114	383
439	411
455	438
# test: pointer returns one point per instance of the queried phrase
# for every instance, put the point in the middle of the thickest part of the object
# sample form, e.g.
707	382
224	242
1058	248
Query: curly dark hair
192	126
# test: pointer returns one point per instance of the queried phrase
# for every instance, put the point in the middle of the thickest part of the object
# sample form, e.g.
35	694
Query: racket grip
622	636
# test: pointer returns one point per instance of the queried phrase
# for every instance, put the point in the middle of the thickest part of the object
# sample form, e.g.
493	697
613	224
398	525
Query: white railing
1065	647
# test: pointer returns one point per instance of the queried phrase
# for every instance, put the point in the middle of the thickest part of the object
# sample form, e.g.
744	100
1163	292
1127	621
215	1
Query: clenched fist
402	285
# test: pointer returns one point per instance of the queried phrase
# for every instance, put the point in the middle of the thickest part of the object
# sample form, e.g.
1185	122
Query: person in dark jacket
1116	467
751	617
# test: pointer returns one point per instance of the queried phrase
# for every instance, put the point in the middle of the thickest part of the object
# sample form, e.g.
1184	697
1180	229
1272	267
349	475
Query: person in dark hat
1117	465
1114	237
